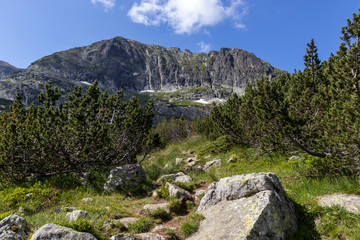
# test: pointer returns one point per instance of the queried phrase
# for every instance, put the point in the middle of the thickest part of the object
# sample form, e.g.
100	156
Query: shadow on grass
307	226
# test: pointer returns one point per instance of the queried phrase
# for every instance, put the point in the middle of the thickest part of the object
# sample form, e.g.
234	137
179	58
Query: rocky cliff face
121	63
6	69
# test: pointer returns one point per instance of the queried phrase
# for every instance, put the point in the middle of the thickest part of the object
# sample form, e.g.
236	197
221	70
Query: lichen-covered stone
55	232
13	228
126	176
127	221
177	177
177	192
261	216
351	203
252	206
239	186
76	215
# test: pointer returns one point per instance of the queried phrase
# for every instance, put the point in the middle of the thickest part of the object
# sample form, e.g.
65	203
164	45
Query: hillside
121	63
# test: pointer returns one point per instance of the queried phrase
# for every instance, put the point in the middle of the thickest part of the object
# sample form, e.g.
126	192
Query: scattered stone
55	232
191	164
124	221
232	160
252	206
123	236
177	192
150	236
208	165
198	193
13	227
76	215
129	175
155	194
351	203
85	200
166	166
207	157
294	158
178	161
65	209
178	177
27	196
149	208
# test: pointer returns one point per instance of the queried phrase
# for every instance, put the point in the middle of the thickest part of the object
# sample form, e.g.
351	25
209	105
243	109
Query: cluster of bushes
315	110
89	131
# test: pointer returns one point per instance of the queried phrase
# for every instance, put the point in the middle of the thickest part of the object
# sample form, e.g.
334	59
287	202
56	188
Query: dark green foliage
315	110
191	226
89	131
171	131
177	206
160	214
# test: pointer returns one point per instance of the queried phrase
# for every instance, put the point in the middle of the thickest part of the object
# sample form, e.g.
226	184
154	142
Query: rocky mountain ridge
6	69
121	63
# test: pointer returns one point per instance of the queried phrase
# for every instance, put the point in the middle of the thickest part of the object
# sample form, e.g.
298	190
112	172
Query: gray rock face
178	177
6	69
351	203
177	192
13	228
252	206
76	215
122	63
129	175
55	232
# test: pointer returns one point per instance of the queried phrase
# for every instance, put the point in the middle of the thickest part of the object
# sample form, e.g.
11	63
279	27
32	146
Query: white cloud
187	16
108	4
204	47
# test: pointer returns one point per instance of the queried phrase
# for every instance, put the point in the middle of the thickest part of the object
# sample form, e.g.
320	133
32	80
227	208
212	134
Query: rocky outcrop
351	203
55	232
121	63
252	206
6	69
126	176
13	228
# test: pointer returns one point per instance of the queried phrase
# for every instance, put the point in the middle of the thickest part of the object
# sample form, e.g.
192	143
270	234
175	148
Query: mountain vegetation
303	127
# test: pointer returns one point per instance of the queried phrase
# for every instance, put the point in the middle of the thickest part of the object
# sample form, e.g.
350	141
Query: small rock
13	227
178	177
294	158
150	236
23	211
155	194
160	228
128	221
76	215
129	175
85	178
149	208
351	203
207	157
166	166
65	209
232	160
55	232
177	192
208	165
85	200
178	161
123	236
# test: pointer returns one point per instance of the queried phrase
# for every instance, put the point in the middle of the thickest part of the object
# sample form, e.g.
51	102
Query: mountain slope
121	63
6	69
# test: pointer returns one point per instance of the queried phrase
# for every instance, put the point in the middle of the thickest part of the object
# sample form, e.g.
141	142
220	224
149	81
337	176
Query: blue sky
274	30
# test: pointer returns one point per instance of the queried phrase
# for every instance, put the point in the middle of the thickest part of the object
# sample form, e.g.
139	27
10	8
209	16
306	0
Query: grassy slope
315	222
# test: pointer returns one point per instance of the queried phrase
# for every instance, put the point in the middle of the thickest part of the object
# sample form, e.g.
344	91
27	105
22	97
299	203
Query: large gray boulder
55	232
252	206
13	228
351	203
126	176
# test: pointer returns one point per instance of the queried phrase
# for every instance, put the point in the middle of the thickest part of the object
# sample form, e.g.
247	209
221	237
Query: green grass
314	222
